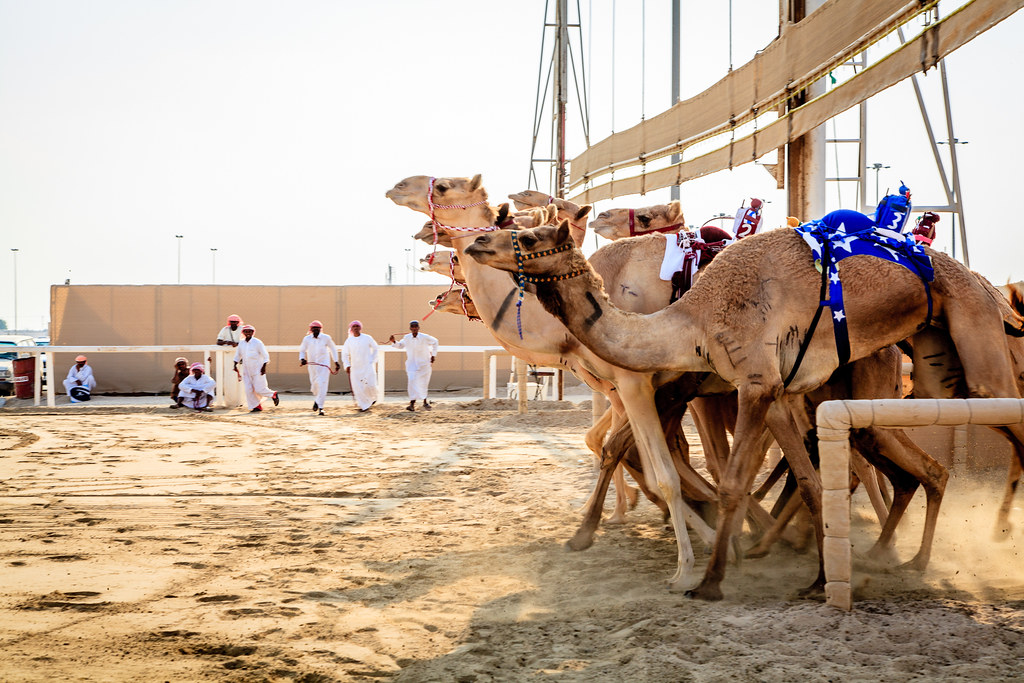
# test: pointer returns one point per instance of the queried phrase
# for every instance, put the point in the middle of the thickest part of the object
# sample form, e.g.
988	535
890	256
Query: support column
805	155
51	374
381	374
521	385
834	448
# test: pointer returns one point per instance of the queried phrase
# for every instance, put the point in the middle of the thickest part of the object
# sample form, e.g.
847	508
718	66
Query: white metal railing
222	354
836	419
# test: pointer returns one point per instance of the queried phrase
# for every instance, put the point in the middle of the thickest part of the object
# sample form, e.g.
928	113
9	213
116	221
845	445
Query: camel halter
437	224
634	233
522	277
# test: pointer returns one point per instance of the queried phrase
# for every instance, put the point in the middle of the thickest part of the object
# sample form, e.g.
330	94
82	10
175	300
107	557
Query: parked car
11	341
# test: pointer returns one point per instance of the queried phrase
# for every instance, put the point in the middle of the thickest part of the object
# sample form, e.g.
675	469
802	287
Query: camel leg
867	477
777	529
755	402
906	466
595	439
790	423
638	398
781	468
1003	525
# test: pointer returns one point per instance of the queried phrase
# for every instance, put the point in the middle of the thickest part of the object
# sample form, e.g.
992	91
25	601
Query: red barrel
25	377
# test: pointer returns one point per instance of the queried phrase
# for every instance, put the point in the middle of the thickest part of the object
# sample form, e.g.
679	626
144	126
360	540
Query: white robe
251	355
190	384
75	376
418	352
320	354
226	334
359	356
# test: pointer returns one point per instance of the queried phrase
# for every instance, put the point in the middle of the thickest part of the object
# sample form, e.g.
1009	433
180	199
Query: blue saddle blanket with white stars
850	233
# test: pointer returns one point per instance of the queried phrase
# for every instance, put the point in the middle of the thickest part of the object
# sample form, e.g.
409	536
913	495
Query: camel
744	320
443	263
475	216
569	211
618	223
455	301
460	204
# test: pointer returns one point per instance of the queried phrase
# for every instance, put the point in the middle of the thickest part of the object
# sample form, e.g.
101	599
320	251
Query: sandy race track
150	545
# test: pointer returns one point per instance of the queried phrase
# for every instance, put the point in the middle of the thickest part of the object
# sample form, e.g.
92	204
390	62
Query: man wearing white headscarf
196	390
317	351
253	356
420	351
80	381
359	356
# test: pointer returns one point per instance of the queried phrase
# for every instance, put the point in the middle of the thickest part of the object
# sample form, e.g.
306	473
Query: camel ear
562	236
475	182
502	214
584	210
550	214
674	210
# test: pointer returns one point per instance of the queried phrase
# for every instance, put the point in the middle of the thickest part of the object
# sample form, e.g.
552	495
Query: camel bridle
633	232
522	277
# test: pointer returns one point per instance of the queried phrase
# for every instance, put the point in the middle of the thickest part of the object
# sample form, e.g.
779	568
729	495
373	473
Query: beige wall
149	315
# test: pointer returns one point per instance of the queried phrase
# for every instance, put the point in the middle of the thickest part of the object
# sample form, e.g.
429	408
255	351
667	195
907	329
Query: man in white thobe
317	352
359	356
420	351
80	375
230	335
253	356
196	391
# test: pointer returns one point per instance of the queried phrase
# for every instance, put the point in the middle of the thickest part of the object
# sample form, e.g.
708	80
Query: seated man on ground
180	373
196	390
80	381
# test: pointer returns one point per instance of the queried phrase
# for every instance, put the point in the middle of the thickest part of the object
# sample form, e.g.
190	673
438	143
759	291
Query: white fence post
835	419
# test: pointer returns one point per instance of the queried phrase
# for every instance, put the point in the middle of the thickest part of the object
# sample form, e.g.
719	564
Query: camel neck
669	339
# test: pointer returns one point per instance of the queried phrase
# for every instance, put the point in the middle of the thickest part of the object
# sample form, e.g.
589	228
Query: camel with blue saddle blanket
746	320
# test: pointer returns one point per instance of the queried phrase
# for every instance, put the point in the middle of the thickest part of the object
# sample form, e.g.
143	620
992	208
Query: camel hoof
757	552
816	589
918	564
883	555
633	496
615	520
705	592
581	541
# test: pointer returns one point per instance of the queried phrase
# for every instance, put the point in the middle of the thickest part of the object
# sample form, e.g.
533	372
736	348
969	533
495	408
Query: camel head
455	301
412	192
536	216
527	199
497	249
615	223
444	263
426	234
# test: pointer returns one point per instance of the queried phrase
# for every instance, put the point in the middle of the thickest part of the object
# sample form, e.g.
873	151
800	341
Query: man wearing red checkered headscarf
318	352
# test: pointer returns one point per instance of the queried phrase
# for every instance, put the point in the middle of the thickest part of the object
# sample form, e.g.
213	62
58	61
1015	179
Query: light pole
213	275
408	265
179	237
15	253
878	169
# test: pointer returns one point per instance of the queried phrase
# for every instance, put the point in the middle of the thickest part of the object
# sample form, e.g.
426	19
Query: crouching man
197	390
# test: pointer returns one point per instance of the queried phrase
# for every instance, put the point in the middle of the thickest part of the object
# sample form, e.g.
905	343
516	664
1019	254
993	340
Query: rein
634	233
333	371
449	228
522	277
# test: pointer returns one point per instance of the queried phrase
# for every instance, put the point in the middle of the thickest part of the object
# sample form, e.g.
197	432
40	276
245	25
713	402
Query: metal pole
561	70
178	237
953	163
15	252
676	38
213	274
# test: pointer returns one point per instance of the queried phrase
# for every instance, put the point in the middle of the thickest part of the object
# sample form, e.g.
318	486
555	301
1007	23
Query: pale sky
270	130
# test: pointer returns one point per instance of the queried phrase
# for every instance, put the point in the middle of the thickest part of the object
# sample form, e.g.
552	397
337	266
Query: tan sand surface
144	544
